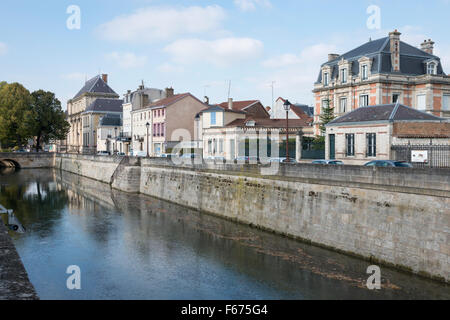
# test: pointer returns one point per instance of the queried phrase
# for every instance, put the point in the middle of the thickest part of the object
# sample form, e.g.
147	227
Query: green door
332	146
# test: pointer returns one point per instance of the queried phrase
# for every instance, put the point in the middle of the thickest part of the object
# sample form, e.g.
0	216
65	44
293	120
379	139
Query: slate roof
96	85
111	120
412	59
105	105
384	112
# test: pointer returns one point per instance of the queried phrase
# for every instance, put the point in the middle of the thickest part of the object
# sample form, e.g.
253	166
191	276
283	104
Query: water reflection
137	247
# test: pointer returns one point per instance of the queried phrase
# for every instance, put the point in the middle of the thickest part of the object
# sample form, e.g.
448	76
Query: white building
108	134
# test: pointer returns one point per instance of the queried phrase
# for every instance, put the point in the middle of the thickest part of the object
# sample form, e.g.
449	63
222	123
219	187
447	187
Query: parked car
217	159
247	159
388	163
120	154
140	154
103	153
330	162
20	151
189	156
282	160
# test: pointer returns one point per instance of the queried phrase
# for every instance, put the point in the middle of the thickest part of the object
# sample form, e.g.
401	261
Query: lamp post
148	127
287	107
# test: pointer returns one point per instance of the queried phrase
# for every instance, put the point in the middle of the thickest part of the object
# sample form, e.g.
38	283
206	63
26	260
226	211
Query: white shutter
421	102
446	103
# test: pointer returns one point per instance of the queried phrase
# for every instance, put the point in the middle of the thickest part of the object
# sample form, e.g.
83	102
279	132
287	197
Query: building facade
160	126
108	134
83	125
297	111
370	133
383	71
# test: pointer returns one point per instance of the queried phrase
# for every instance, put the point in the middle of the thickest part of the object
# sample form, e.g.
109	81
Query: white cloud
249	5
126	60
221	52
3	48
170	68
162	23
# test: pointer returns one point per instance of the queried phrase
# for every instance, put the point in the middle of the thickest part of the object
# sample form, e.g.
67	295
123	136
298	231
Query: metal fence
438	156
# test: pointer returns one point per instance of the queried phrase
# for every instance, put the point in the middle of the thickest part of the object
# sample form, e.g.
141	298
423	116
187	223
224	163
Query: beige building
84	113
163	124
373	132
383	71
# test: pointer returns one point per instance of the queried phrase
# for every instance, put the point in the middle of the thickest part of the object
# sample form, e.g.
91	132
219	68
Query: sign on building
419	156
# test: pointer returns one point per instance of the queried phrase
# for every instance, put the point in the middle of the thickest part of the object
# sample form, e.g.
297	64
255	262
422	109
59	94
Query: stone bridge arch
9	163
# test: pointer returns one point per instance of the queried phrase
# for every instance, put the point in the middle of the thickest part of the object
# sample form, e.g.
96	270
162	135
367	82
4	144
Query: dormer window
431	68
344	73
364	72
326	79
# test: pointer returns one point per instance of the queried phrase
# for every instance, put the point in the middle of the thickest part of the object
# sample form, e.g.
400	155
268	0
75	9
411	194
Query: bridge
27	160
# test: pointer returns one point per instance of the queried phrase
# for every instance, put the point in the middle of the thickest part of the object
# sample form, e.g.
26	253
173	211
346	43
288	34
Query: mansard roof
384	113
96	85
412	59
101	105
113	120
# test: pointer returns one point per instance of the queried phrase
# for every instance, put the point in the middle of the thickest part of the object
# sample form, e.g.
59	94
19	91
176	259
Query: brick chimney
394	37
206	100
230	103
332	56
169	92
427	46
105	78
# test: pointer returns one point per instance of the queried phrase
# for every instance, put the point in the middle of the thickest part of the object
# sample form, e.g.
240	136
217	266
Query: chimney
105	78
427	46
230	103
394	37
332	56
169	92
206	100
268	109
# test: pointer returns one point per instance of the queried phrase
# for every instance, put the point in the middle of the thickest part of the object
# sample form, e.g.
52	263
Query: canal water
137	247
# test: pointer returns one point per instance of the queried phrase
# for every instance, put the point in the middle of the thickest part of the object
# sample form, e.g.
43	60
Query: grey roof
306	109
96	85
113	120
412	59
105	105
384	112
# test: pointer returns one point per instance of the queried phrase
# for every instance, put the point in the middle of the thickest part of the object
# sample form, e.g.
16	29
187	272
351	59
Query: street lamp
287	107
148	127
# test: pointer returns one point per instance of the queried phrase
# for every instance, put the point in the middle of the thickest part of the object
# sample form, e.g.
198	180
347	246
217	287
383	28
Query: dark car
331	162
388	163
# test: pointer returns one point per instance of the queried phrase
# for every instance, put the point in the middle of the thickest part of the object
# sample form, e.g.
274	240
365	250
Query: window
343	105
446	103
141	116
326	79
421	102
220	146
395	97
209	146
364	72
325	104
163	127
364	100
431	68
159	113
350	144
162	112
158	130
214	146
371	140
344	75
154	129
213	118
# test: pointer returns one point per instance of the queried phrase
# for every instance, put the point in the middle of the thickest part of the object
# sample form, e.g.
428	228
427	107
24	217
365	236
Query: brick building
383	71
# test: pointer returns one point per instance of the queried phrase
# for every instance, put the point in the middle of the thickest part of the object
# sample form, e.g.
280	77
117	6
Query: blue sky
199	46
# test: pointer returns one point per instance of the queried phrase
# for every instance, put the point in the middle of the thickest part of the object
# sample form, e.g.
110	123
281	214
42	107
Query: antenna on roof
229	89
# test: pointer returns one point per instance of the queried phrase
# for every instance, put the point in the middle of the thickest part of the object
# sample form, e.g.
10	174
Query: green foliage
326	116
47	120
15	106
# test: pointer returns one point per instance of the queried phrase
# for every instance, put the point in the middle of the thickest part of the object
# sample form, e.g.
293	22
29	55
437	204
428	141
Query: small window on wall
421	102
344	75
371	141
364	100
350	144
343	105
395	97
326	79
364	72
213	118
446	103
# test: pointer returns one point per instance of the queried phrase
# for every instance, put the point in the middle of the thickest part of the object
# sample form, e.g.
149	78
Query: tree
47	119
15	106
326	116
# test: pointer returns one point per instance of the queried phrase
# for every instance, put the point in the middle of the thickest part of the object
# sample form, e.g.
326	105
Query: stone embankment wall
395	216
